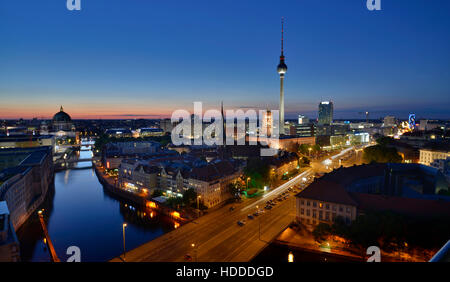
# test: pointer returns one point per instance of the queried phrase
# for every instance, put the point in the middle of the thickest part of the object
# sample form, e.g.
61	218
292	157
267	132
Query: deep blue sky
145	57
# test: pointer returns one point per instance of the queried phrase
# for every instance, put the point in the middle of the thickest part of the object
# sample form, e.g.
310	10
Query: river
80	212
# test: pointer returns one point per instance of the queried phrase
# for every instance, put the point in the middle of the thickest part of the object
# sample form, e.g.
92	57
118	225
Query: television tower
281	69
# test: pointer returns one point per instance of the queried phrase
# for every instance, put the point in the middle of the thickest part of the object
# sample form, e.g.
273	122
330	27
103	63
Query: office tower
326	112
303	119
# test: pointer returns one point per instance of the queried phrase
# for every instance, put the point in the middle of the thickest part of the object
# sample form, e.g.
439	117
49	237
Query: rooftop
410	206
335	187
327	191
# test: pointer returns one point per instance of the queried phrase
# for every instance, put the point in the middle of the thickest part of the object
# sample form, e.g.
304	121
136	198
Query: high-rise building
281	69
326	112
305	130
412	121
389	121
303	119
267	123
166	125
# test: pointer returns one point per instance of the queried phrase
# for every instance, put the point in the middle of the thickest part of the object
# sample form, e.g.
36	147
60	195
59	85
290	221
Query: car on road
268	207
231	208
250	216
241	222
256	213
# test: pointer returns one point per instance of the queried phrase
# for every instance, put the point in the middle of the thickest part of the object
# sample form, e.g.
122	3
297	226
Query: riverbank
140	199
80	211
109	184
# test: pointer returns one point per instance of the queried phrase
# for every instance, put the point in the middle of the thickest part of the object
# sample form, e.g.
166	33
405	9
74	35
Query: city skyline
256	131
138	63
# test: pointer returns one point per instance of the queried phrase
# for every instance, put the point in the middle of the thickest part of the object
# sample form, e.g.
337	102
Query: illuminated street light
123	235
290	257
198	205
196	251
248	178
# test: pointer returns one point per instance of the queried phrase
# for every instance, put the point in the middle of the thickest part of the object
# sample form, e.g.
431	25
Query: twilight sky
130	59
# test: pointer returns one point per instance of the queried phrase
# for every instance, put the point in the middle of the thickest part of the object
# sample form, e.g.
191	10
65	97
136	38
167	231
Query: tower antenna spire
282	36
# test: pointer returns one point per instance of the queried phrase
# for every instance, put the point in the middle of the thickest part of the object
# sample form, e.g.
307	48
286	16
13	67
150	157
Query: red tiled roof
348	175
212	171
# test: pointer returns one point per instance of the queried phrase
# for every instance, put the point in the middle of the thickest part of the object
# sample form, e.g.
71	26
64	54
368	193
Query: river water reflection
79	212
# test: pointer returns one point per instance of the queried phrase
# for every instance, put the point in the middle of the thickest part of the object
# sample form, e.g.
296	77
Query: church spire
61	109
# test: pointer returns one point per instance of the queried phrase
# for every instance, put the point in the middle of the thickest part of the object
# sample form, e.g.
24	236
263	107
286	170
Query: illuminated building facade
267	123
325	112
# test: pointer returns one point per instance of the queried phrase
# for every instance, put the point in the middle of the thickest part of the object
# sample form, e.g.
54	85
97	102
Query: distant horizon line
288	118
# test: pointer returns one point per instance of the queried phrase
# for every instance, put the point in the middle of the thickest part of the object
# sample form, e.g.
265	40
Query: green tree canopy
381	154
157	193
189	196
259	172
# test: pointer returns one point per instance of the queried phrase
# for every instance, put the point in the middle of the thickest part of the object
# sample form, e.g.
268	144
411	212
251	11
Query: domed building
62	126
62	121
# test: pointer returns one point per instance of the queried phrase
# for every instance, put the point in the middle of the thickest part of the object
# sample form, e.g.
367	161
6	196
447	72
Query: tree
339	227
390	231
321	232
189	196
157	193
259	172
381	154
304	162
304	149
235	189
174	202
384	140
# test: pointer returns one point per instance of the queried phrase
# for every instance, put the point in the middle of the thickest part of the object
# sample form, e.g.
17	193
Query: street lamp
198	205
290	257
196	251
123	235
248	178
